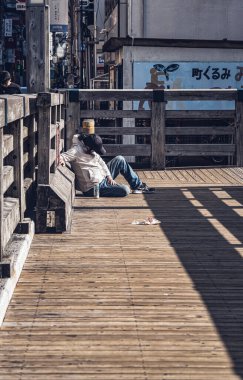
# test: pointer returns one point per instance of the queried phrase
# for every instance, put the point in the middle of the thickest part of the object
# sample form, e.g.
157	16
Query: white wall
186	19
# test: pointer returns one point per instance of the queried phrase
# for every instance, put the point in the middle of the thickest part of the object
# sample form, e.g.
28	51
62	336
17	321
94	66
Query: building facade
175	43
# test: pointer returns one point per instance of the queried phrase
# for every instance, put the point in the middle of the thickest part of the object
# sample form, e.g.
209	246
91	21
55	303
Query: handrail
164	124
148	94
21	121
17	160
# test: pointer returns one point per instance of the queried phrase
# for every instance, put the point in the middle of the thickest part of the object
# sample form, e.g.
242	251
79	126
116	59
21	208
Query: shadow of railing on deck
210	249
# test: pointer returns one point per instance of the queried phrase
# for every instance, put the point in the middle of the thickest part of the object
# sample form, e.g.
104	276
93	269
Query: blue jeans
118	165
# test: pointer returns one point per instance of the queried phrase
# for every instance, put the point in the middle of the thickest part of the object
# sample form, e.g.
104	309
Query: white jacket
88	168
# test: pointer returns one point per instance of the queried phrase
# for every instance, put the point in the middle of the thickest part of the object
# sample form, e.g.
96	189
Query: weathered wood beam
199	149
128	150
200	114
7	145
199	131
8	177
158	131
2	113
169	95
44	137
11	218
72	119
239	129
38	62
123	131
113	114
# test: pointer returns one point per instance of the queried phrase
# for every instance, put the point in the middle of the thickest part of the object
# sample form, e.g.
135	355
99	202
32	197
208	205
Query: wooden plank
72	121
11	217
182	94
14	108
8	177
153	302
56	99
113	114
29	103
239	133
38	65
25	132
127	150
44	139
200	149
2	113
201	94
16	159
115	95
53	130
158	135
31	124
200	131
8	144
143	131
200	114
19	166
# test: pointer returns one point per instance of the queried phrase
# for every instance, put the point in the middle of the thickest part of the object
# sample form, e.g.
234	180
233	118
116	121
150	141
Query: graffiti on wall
188	75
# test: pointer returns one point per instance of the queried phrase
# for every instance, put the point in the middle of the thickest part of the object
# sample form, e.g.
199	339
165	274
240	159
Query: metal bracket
240	95
5	270
73	96
158	96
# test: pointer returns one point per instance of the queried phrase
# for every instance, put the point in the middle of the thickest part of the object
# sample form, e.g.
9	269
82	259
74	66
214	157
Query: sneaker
143	189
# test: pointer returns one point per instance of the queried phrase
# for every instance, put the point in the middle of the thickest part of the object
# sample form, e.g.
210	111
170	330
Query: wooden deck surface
112	300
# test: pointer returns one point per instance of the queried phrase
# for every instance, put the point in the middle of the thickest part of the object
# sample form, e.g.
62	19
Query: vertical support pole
1	193
44	137
38	32
19	169
31	124
239	129
158	130
72	124
17	161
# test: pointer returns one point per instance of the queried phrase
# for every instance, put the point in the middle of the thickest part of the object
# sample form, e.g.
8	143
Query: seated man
6	86
90	169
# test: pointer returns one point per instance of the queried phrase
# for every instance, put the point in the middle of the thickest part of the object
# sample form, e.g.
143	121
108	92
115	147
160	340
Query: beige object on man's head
88	126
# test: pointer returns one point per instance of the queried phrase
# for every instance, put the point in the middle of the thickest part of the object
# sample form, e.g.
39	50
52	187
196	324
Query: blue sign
189	75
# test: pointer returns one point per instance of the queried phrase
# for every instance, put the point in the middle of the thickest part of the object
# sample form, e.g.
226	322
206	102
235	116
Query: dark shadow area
203	222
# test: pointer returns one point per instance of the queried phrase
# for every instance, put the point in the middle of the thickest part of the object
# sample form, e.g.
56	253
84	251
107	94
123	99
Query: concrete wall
186	19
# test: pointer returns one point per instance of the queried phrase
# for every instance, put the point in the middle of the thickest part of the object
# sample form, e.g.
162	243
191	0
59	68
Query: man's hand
110	180
61	161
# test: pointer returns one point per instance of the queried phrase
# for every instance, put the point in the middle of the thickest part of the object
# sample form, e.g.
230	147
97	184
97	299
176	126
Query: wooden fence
165	128
35	129
31	137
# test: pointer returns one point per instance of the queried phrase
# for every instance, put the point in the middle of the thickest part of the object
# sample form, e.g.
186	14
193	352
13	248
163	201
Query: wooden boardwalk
112	300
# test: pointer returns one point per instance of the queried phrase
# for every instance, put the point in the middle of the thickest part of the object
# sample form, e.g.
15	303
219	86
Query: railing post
37	29
158	130
19	166
31	123
239	129
44	137
72	116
